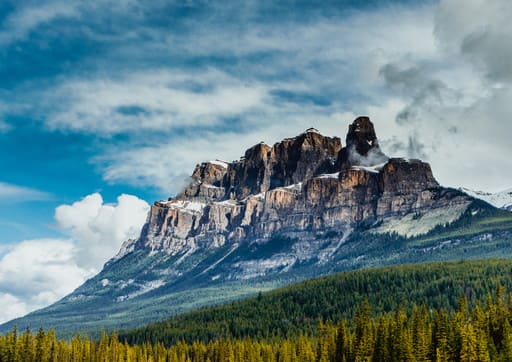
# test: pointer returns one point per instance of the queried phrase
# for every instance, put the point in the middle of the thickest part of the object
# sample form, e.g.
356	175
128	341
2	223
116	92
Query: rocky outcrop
300	186
362	147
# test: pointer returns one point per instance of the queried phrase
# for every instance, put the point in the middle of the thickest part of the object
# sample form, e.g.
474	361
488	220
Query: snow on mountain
502	199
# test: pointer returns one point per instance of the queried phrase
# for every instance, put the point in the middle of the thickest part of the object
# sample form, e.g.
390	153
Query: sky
106	106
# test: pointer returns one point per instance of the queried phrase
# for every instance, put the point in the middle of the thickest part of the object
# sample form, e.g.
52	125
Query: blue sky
110	98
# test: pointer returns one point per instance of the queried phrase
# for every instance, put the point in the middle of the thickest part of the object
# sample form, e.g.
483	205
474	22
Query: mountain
304	207
502	199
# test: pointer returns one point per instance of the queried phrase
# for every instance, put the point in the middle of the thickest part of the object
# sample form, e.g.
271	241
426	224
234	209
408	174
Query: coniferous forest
457	311
481	333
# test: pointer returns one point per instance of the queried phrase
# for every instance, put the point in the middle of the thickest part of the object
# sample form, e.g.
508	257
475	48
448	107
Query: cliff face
301	186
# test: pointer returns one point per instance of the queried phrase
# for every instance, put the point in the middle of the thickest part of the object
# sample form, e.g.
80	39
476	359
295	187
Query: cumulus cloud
15	193
98	229
36	273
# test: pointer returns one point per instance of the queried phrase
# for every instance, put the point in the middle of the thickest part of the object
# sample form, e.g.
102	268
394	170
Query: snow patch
256	268
312	130
186	206
219	163
226	202
372	169
208	186
502	199
233	248
104	282
295	187
143	289
335	175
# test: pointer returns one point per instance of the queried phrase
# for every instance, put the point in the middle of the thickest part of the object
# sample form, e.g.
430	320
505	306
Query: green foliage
295	310
465	335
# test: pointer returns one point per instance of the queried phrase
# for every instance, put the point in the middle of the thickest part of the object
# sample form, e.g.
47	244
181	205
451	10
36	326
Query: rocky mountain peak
362	146
264	167
301	186
361	135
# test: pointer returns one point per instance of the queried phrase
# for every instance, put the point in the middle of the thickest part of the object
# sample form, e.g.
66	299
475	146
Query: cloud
480	31
142	85
21	22
456	101
15	193
168	165
4	126
36	273
157	100
98	229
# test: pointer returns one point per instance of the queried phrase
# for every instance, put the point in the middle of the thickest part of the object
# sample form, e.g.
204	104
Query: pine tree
468	351
363	344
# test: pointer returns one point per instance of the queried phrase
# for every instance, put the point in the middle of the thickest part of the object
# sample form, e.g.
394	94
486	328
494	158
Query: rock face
301	186
362	145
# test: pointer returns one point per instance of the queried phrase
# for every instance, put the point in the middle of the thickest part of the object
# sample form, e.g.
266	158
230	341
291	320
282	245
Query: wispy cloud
15	193
169	164
3	126
455	104
237	77
157	100
21	22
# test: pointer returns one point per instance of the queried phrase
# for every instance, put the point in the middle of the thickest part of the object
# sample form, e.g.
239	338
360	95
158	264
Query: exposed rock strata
303	185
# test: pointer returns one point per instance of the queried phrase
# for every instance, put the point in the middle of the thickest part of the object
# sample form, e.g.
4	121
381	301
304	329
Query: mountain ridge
502	199
304	207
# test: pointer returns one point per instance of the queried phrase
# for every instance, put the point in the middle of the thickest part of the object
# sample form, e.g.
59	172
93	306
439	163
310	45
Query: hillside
296	310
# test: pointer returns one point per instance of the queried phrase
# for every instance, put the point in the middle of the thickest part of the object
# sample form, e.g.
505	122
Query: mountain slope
502	199
303	207
296	310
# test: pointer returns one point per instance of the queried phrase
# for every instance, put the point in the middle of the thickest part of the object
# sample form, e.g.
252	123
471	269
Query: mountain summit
362	145
302	207
301	187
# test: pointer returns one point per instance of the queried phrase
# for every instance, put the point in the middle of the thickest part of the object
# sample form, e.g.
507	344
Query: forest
451	311
481	333
295	310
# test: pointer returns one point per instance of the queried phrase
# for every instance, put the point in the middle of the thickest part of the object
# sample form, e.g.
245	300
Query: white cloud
36	273
480	31
98	228
155	100
15	193
456	105
20	23
168	165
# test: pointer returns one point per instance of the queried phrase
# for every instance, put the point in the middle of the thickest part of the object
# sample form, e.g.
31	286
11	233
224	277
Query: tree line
479	333
295	310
